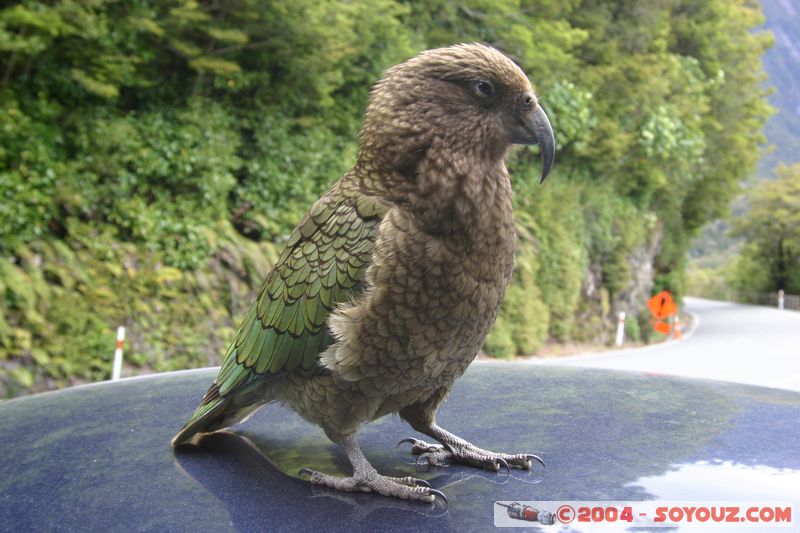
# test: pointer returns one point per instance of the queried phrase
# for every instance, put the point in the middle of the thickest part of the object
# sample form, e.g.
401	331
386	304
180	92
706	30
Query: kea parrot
388	286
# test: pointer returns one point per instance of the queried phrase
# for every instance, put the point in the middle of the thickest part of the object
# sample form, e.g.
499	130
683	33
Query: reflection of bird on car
388	287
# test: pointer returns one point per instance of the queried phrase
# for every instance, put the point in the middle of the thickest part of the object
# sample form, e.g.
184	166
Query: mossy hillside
154	156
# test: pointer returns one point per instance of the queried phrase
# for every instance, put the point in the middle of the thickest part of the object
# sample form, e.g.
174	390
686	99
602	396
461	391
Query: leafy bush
523	323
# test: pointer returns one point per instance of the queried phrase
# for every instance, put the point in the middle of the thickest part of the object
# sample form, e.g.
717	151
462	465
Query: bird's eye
483	88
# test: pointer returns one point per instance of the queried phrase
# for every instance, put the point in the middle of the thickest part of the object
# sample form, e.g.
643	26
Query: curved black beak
531	126
540	126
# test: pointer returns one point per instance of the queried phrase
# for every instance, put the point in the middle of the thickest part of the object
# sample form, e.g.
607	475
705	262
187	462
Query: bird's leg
366	479
454	449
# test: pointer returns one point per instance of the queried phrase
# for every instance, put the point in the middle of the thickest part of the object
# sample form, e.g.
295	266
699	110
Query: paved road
729	342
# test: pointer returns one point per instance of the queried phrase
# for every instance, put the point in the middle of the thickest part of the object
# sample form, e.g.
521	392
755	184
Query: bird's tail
217	412
207	418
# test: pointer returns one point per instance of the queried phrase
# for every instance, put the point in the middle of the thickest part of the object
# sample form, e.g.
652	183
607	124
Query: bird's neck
460	194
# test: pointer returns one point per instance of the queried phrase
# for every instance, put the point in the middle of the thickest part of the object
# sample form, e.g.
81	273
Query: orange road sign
662	305
662	327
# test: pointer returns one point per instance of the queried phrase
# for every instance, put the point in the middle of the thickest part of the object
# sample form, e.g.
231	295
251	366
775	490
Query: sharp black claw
536	458
503	462
305	471
439	494
422	483
410	440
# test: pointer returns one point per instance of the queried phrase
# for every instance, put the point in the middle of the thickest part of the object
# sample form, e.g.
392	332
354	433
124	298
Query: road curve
729	342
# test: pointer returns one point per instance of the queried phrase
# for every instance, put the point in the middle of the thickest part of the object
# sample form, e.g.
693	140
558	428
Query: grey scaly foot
406	488
366	479
461	451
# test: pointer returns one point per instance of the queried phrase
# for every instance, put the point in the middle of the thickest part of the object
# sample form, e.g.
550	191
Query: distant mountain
782	64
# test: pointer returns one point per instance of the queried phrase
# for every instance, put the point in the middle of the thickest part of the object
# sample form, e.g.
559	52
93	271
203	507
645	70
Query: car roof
98	457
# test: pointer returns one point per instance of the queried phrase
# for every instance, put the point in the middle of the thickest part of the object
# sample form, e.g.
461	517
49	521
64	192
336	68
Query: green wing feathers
322	265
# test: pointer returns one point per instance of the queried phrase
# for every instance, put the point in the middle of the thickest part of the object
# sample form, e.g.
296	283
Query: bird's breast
434	291
441	293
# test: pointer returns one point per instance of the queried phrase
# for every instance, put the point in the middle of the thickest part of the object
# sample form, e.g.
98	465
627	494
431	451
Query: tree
771	227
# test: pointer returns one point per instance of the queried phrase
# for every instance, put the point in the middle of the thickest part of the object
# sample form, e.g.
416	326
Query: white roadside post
621	328
116	373
780	299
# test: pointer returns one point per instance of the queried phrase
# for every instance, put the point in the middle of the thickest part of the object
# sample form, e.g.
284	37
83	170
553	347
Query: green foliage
556	226
524	309
523	323
28	171
286	169
500	343
61	306
154	153
571	108
156	178
709	282
633	330
770	260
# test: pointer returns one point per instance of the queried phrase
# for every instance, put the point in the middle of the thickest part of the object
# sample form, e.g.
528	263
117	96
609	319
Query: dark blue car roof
98	457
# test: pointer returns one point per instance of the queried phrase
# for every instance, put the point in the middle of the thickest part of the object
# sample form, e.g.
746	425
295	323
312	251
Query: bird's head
469	99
